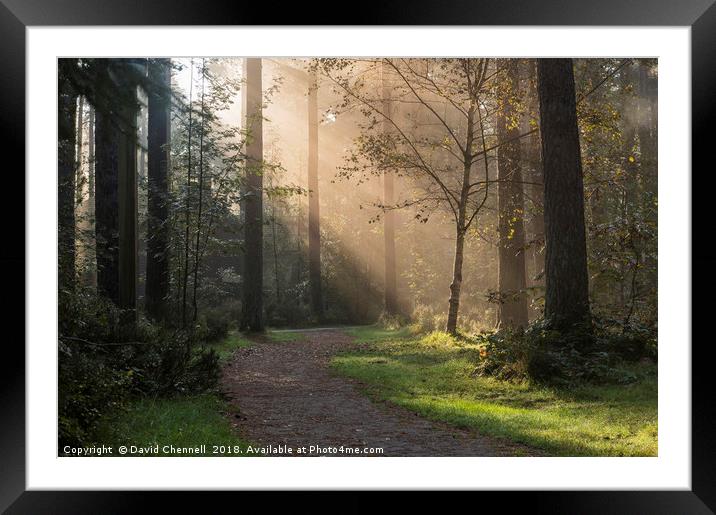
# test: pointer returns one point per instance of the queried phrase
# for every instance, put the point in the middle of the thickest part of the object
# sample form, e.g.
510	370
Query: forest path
285	394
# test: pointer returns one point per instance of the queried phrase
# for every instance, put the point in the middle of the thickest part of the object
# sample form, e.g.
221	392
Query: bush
89	386
101	365
545	355
425	320
438	339
391	322
214	324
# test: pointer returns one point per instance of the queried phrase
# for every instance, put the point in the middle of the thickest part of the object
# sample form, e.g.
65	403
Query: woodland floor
285	393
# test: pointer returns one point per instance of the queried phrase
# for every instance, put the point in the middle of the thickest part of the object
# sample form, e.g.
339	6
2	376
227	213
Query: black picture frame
16	15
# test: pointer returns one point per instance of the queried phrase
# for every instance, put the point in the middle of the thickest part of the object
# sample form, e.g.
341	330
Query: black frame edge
703	132
12	256
701	14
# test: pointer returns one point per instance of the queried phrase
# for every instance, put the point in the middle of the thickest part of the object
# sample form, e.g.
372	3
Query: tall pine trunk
187	202
116	192
91	272
391	295
252	309
158	137
200	207
128	204
648	134
314	228
66	166
107	137
567	284
512	312
535	188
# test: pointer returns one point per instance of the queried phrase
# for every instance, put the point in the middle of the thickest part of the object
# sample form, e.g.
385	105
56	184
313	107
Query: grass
285	336
431	375
180	422
374	333
235	340
228	345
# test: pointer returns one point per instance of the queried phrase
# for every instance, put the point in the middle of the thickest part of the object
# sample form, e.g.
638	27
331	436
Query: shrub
545	355
391	322
425	320
437	339
101	364
214	324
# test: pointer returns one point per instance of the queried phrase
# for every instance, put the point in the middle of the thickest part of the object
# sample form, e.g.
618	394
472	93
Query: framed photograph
443	248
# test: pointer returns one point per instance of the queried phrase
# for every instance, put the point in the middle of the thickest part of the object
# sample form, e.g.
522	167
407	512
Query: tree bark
277	278
252	309
127	185
456	284
197	255
107	200
512	312
567	297
648	143
158	137
461	225
66	166
535	225
314	228
187	202
91	275
391	296
116	195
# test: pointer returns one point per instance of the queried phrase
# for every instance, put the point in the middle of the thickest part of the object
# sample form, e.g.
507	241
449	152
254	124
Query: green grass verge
228	345
182	422
430	375
375	333
285	336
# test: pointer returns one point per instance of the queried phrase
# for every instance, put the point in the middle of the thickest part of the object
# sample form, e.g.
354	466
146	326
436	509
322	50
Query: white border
671	470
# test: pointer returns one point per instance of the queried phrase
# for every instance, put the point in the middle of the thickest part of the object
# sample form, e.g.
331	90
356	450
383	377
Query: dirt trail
286	395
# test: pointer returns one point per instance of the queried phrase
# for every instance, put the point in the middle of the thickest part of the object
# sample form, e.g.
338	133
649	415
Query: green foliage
102	364
226	347
392	322
425	319
215	323
593	353
438	339
437	382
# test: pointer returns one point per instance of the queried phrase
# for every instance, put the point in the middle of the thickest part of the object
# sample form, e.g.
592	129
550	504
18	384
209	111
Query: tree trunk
512	312
107	137
79	194
197	255
91	273
533	158
391	296
454	302
252	309
314	228
116	198
648	135
567	293
187	202
461	225
277	278
127	186
66	165
158	137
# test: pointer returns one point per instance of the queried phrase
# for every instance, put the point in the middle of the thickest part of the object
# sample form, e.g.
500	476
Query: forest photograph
368	256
